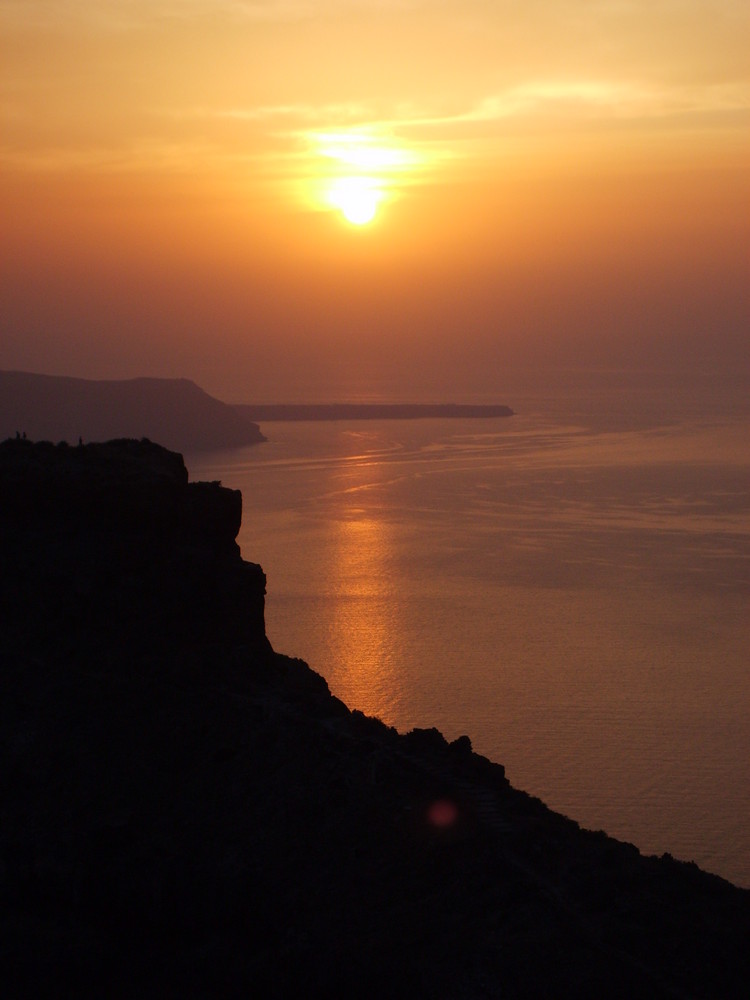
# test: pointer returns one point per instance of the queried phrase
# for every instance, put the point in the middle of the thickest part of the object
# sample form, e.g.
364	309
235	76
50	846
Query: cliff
112	535
187	813
175	412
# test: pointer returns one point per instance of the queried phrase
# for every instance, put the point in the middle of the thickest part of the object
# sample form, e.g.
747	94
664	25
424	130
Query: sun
364	169
357	198
359	209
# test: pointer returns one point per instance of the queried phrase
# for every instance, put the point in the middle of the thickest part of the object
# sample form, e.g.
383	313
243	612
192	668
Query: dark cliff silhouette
187	813
175	412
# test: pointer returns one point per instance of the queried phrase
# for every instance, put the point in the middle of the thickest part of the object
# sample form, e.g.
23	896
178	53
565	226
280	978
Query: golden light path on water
362	626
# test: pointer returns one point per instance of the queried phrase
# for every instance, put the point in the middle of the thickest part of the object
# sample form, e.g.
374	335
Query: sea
567	586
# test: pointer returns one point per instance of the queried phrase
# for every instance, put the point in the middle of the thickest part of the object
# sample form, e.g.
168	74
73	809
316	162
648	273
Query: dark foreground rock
186	813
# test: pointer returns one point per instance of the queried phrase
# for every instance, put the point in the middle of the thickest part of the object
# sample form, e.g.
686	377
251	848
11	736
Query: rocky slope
174	411
187	813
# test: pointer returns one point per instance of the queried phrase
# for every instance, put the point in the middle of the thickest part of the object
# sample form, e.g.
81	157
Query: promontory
187	813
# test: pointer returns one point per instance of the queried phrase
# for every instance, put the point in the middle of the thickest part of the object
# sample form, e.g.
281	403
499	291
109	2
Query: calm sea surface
569	586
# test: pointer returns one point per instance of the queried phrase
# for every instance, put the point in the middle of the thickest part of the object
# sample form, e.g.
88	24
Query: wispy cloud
573	101
289	133
130	14
243	88
275	114
579	104
616	100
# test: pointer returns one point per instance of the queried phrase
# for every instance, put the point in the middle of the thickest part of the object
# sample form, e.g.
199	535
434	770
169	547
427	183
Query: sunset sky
553	182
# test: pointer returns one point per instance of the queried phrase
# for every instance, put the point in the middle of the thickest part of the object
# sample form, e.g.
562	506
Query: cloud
577	104
277	113
485	70
574	101
121	15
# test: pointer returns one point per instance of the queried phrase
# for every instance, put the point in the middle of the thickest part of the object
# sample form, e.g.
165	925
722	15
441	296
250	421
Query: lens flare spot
442	813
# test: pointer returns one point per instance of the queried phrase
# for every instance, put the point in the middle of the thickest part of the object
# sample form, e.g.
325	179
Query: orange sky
554	182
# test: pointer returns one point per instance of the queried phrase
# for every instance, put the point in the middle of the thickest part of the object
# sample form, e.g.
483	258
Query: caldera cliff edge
187	812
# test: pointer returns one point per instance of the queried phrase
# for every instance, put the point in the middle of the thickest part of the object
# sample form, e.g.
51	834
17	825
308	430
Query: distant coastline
174	411
369	411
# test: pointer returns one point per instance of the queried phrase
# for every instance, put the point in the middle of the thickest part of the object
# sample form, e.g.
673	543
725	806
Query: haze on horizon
563	182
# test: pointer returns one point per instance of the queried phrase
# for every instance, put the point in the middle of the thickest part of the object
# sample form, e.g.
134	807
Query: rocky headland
187	813
176	412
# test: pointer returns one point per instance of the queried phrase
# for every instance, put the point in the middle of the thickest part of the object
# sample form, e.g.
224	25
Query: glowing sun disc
356	198
361	210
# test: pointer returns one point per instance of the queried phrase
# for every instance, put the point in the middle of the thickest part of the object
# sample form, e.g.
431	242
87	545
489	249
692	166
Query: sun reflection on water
363	627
